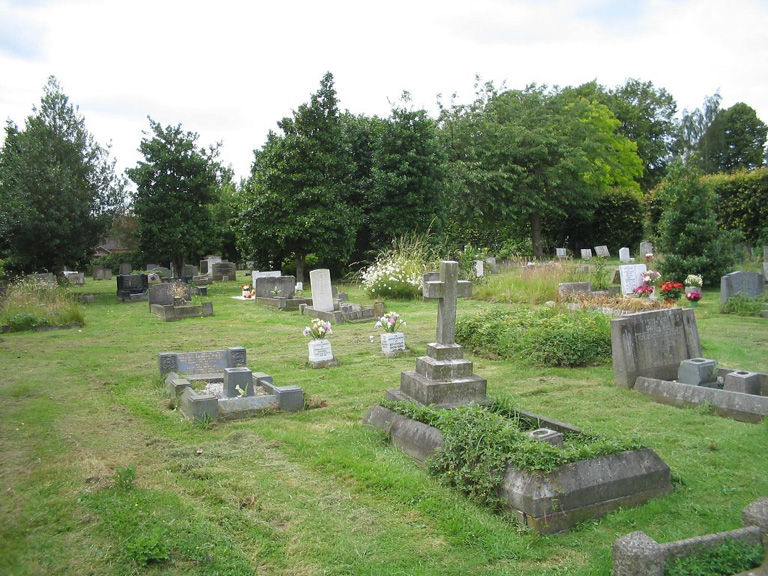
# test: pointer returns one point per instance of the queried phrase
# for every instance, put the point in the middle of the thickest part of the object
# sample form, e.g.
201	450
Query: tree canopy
58	188
177	185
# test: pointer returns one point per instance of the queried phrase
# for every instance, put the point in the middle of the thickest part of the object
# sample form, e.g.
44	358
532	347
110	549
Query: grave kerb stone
322	290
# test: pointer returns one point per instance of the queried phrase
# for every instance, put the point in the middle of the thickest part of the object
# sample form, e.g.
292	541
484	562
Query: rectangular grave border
182	369
637	554
554	502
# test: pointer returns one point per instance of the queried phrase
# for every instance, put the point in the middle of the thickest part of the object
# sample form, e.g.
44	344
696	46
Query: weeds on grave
731	557
125	478
479	443
742	305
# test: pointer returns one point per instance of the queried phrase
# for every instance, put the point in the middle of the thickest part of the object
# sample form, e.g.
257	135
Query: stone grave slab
653	344
132	288
624	255
645	249
286	299
223	271
750	283
479	268
256	274
566	289
322	290
561	253
75	278
602	251
586	253
125	269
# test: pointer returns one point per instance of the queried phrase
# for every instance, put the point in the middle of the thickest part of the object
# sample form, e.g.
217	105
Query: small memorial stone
624	255
586	253
561	252
602	251
322	290
631	276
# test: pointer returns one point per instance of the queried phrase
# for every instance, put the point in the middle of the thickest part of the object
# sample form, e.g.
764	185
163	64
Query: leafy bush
742	305
742	203
479	443
731	557
546	336
688	232
30	303
137	260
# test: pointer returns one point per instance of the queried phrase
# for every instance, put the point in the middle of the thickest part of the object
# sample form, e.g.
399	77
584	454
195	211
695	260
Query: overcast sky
229	70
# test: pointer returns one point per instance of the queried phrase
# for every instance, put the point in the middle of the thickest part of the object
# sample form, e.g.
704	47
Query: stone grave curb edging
554	502
637	554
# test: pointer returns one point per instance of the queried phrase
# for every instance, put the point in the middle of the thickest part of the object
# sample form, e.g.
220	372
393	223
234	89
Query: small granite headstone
479	268
631	277
210	362
750	283
266	286
223	271
125	269
586	253
624	255
602	251
322	290
646	248
561	252
255	275
98	272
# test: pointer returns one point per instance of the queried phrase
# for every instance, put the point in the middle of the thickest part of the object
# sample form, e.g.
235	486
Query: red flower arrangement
672	290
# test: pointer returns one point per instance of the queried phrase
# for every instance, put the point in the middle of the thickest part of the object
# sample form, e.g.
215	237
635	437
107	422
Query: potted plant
393	340
671	291
693	296
320	353
247	291
693	282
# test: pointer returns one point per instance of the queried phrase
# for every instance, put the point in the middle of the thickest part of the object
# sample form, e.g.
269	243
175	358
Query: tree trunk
535	221
299	260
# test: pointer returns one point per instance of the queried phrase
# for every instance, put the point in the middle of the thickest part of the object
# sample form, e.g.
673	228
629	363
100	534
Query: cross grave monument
443	377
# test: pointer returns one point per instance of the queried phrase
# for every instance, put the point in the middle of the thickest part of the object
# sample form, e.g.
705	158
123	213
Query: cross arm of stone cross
446	291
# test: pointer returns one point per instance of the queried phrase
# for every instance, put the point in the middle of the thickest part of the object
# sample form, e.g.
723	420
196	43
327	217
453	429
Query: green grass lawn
315	492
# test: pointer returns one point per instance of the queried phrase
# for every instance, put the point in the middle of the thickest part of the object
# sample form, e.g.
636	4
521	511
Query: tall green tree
177	184
298	200
58	187
734	140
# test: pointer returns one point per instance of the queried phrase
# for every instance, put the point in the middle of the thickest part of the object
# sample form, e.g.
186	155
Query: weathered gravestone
190	271
566	289
653	344
624	255
256	274
586	253
98	272
202	365
275	286
602	251
631	276
224	271
479	268
76	278
132	287
750	283
125	269
561	253
171	301
443	377
322	290
646	248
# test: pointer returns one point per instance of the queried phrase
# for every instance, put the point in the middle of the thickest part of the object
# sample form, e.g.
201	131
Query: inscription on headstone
208	362
631	277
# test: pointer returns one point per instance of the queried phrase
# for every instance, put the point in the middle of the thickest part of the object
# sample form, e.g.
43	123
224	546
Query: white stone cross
446	291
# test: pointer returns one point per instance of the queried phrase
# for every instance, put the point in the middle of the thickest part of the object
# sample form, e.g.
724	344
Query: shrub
742	305
398	271
546	336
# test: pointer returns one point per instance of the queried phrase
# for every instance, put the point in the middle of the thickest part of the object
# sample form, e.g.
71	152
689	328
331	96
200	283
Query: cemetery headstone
223	271
76	278
322	290
125	269
256	274
750	283
561	253
631	276
98	272
602	251
202	363
132	287
443	377
624	255
646	248
479	268
266	286
190	271
586	253
565	289
493	266
653	344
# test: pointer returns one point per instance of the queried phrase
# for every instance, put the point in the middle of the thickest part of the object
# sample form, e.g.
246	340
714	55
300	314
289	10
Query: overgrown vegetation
398	271
545	336
731	557
741	304
30	303
529	284
479	443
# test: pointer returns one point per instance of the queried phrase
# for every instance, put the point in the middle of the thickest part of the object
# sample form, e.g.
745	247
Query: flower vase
392	343
693	303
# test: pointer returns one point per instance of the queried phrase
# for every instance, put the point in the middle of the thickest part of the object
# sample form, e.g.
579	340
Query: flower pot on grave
247	293
392	342
320	353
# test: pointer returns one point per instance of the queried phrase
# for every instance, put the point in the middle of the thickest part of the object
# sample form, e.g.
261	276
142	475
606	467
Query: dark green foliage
742	203
58	188
479	443
731	557
137	260
297	201
734	140
545	336
742	305
688	233
177	184
25	321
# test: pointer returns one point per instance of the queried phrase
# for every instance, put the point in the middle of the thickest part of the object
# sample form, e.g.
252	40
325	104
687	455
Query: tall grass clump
545	336
742	305
30	303
528	284
398	270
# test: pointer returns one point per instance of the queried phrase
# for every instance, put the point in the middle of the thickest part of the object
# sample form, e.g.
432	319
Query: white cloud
231	70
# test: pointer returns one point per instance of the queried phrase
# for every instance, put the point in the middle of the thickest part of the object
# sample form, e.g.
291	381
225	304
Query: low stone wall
637	554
